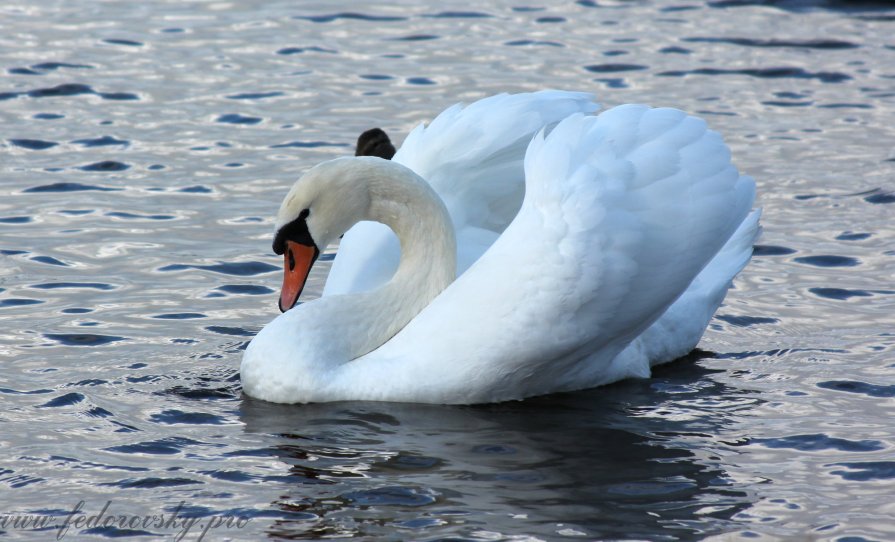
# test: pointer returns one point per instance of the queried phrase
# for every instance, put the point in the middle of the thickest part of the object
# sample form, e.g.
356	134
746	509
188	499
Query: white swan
632	226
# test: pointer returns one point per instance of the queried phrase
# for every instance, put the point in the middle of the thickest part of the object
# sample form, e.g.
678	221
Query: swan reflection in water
636	459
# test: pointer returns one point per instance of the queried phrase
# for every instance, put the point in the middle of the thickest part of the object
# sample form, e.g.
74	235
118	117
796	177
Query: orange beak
298	261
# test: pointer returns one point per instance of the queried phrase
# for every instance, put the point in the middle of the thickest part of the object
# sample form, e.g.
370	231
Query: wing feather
473	158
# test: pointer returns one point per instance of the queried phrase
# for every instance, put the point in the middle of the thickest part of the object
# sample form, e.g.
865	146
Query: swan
518	246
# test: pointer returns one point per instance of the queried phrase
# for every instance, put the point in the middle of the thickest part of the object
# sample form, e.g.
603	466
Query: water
146	147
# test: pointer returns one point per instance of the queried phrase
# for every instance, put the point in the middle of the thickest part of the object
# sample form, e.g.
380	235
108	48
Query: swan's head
321	206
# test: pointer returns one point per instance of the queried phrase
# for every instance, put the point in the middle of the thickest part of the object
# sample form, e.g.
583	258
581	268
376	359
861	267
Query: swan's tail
714	280
680	328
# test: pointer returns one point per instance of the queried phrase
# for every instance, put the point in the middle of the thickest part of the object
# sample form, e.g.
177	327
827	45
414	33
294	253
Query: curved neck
403	201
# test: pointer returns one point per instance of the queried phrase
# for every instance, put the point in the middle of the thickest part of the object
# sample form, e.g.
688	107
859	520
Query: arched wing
473	158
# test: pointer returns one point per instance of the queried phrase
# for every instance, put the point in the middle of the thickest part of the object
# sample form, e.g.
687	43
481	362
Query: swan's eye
296	231
291	260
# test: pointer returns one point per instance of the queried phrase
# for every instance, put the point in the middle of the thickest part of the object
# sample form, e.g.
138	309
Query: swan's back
621	212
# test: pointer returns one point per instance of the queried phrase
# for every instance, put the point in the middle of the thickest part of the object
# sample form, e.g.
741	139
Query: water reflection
634	459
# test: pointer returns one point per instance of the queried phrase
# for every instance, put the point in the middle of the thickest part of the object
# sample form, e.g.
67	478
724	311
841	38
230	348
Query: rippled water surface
146	147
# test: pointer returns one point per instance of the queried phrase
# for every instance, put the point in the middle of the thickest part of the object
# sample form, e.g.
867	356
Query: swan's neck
406	203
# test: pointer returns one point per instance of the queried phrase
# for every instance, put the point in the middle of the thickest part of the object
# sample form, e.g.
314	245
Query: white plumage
588	249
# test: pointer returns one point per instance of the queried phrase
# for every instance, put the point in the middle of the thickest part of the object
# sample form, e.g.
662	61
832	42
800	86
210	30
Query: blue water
146	148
